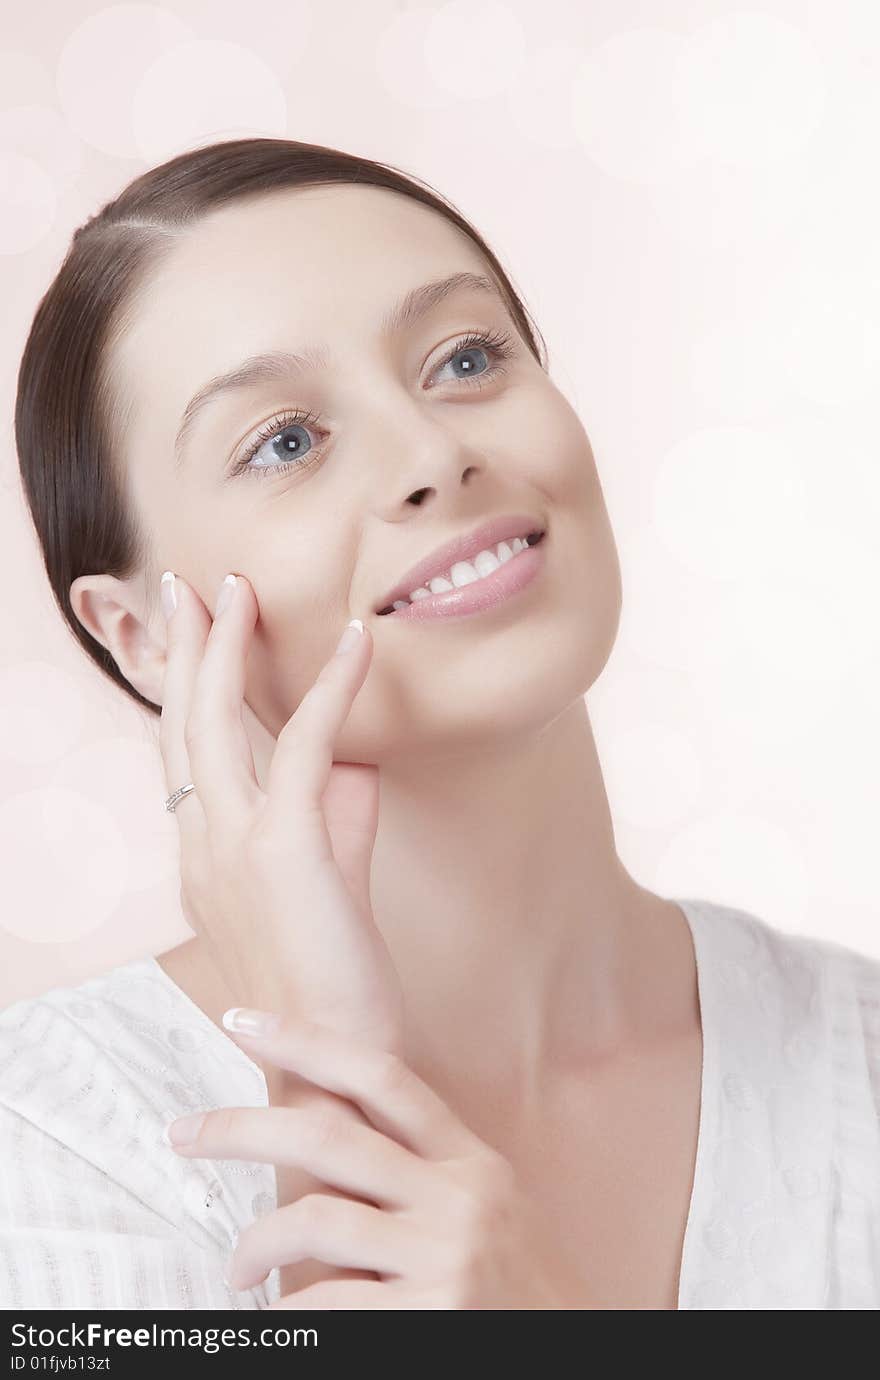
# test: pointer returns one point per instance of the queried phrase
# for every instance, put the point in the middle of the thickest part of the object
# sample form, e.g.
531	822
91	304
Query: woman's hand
434	1210
277	882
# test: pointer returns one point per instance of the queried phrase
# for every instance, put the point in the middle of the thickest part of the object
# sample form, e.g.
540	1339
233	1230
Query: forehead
293	268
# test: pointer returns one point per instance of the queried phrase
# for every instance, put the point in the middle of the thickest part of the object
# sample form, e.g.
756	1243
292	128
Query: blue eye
288	431
289	436
464	350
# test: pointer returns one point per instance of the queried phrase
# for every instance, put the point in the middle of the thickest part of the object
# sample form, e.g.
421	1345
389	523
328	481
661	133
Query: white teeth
485	562
466	572
463	573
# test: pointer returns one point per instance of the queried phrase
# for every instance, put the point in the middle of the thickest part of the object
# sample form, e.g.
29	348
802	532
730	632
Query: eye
289	437
479	343
288	432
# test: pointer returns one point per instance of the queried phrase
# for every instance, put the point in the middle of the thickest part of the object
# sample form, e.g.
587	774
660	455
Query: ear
118	616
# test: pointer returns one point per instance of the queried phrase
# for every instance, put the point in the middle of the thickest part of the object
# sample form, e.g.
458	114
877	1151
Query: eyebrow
276	365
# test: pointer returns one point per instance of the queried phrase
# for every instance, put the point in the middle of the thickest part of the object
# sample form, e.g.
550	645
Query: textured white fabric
97	1213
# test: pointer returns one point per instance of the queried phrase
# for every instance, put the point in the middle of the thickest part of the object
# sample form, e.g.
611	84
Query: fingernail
169	594
224	598
350	637
185	1130
247	1021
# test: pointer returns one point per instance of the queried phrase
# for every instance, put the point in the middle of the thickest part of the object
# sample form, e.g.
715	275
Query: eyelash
496	342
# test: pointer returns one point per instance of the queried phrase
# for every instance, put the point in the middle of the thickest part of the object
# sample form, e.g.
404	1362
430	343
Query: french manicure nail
246	1021
169	593
185	1129
350	637
224	598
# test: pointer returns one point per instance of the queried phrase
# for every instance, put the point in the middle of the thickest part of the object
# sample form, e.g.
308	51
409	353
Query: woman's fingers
187	629
351	812
382	1085
328	1143
300	769
337	1231
220	758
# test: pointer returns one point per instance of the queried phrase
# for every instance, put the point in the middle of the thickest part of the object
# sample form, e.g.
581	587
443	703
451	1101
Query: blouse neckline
218	1035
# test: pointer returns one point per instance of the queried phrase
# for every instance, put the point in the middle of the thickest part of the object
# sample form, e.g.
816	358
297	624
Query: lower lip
480	595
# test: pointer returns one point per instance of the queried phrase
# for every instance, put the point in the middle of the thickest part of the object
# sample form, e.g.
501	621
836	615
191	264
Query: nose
418	496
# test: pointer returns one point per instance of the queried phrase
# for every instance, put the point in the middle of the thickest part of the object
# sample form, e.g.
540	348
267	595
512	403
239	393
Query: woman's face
398	448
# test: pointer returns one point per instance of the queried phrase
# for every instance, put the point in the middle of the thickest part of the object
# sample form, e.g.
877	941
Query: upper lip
460	548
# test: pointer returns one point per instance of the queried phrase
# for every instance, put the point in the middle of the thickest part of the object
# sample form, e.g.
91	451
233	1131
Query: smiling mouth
465	572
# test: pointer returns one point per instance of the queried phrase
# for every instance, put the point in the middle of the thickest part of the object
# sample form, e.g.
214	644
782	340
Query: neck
517	933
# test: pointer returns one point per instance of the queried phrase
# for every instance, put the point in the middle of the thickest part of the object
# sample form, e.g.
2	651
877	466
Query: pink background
686	196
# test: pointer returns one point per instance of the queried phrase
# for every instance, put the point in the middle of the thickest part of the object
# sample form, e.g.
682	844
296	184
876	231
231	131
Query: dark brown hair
69	417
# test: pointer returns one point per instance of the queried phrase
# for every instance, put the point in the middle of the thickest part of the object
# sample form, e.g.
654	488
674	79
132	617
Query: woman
502	1073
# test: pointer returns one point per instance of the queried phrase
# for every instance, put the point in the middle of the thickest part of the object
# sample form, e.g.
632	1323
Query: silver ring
173	800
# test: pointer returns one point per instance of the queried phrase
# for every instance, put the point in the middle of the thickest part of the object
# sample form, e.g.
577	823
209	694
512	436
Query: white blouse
96	1212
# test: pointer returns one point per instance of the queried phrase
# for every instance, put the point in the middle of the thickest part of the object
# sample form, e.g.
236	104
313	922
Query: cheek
293	639
578	472
548	437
